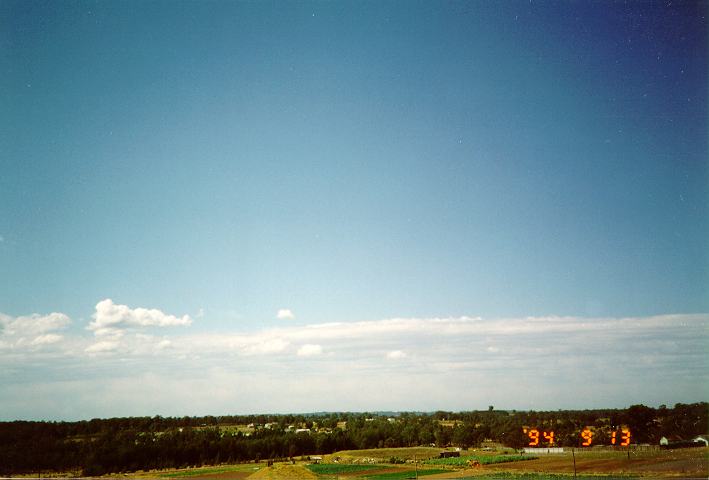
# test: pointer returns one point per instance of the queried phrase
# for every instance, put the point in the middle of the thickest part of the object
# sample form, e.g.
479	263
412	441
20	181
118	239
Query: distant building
676	442
549	450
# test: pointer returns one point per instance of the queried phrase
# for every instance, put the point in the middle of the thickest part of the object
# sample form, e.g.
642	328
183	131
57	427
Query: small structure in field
548	450
448	454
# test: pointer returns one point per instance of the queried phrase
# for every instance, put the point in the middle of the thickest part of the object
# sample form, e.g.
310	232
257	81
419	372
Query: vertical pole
416	467
573	455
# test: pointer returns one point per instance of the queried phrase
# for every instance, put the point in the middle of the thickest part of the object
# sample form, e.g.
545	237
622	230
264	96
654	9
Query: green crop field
339	469
403	475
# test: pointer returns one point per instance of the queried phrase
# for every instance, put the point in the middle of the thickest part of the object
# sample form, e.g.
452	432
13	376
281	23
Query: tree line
115	445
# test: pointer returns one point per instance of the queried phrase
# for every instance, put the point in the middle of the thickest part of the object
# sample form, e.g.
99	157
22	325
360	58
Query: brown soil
692	462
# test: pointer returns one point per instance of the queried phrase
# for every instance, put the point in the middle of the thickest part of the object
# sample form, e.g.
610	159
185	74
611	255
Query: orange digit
613	438
625	437
534	436
549	437
587	435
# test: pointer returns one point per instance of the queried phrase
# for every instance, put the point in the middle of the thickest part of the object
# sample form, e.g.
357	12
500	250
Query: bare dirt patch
693	462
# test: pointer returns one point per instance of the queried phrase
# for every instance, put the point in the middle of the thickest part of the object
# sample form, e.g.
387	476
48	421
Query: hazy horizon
265	207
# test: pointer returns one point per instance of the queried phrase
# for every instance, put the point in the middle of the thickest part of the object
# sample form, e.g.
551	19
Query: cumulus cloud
309	350
31	330
34	324
285	314
111	319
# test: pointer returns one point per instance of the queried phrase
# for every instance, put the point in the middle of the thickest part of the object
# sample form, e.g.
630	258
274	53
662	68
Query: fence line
595	448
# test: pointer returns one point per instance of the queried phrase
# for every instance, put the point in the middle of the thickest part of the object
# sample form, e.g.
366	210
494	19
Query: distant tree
641	421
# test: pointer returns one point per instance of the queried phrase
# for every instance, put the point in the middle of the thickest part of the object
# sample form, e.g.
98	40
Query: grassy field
685	463
342	468
196	472
483	459
539	476
370	472
360	465
403	474
381	455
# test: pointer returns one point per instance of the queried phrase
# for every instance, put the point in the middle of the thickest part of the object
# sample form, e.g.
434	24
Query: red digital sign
546	438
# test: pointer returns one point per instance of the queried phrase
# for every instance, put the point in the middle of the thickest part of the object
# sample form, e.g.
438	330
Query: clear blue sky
352	162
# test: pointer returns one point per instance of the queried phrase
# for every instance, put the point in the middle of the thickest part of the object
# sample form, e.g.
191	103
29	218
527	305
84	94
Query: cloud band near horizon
460	362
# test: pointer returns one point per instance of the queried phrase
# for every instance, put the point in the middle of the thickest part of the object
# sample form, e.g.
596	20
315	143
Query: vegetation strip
403	475
119	445
338	469
208	471
482	459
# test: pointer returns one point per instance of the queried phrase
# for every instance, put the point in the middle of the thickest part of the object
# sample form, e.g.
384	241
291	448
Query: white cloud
396	354
517	362
34	324
31	330
265	346
102	347
111	319
285	314
309	350
46	339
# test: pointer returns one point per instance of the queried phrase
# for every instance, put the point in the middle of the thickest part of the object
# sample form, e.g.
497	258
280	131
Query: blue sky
349	163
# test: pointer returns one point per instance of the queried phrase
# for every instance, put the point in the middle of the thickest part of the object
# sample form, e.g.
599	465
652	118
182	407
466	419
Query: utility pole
573	455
